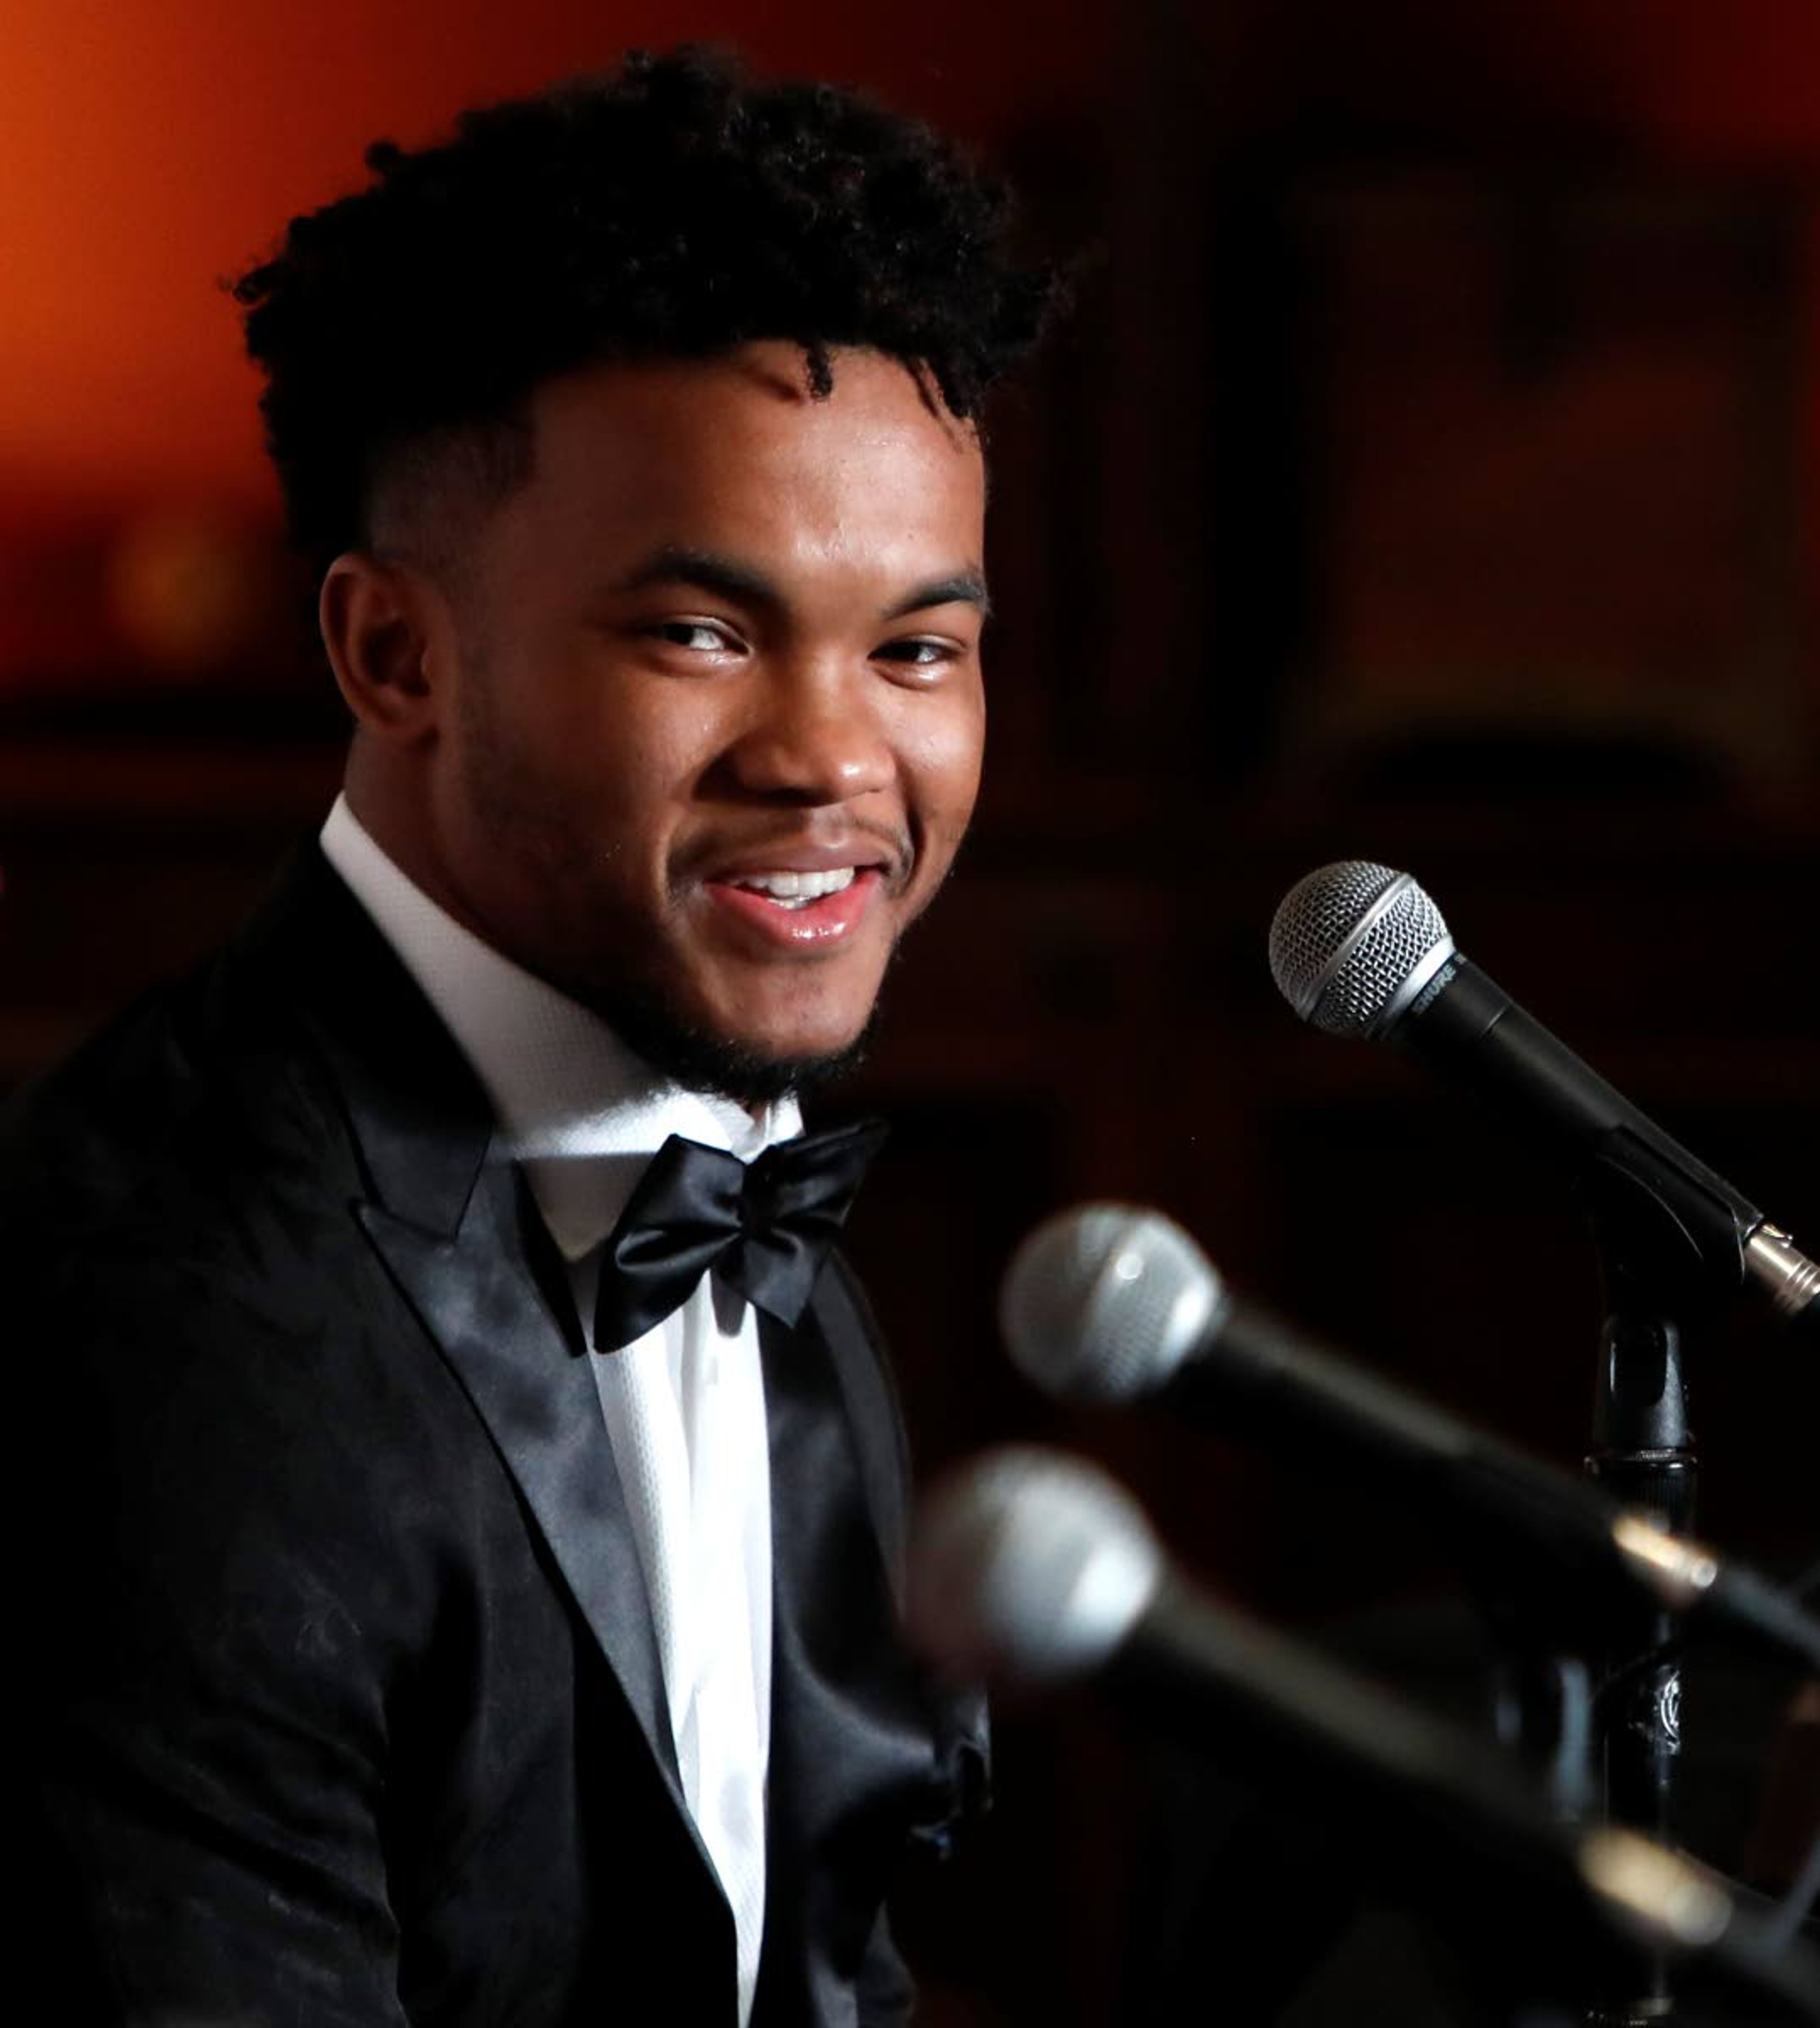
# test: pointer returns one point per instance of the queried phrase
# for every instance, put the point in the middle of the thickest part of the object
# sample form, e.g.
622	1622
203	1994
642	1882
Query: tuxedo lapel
476	1294
450	1219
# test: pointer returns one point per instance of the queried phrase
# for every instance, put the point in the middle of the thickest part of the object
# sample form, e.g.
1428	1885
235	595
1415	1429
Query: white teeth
797	890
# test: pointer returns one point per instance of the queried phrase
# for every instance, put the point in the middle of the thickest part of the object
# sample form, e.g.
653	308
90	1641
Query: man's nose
814	736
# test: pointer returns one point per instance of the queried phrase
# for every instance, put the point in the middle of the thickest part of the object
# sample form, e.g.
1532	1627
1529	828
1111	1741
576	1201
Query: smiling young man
690	726
477	1487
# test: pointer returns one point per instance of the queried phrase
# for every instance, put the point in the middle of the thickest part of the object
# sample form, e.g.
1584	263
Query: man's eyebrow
711	570
964	588
707	570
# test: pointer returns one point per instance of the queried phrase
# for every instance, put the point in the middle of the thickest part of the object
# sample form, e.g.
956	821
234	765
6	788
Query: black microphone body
1550	1908
1032	1568
1111	1303
1253	1375
1360	950
1254	1372
1464	1022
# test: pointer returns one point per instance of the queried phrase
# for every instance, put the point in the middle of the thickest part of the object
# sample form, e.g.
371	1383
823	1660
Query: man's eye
706	636
919	652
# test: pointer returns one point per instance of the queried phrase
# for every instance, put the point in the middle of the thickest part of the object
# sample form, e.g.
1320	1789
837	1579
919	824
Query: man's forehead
601	467
754	400
735	457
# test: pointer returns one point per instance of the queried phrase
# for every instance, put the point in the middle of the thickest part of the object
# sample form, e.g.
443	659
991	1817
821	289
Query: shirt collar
578	1111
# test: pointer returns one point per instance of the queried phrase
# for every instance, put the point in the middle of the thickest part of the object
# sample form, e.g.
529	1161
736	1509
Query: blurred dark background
1427	474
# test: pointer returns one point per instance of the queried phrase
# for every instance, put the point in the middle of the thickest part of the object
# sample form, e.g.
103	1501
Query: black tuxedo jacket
344	1703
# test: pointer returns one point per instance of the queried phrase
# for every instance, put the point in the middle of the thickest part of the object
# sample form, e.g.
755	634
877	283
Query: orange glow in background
147	152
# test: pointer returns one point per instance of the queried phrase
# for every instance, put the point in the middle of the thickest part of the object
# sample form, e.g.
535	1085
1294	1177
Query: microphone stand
1656	1282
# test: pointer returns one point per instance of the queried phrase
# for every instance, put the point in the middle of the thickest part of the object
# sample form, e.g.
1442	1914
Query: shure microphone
1360	950
1110	1303
1026	1566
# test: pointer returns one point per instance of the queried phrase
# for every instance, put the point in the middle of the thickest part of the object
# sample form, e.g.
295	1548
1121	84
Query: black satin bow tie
762	1227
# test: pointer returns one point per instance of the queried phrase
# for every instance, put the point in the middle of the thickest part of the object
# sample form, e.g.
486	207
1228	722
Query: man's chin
733	1067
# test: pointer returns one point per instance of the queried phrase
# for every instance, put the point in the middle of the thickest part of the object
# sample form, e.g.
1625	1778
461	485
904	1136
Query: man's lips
805	855
808	908
788	922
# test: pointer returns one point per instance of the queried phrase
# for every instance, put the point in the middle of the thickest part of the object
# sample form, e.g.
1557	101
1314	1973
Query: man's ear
384	629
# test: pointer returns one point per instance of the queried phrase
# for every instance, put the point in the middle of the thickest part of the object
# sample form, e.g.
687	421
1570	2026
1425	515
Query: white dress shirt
684	1405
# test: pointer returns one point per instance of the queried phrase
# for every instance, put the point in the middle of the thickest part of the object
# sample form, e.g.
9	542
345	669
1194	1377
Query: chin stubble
700	1061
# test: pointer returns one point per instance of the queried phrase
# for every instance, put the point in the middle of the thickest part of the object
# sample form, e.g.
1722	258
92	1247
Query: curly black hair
673	208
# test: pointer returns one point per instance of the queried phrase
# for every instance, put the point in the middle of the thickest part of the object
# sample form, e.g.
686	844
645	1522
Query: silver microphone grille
1103	1302
1028	1565
1353	943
